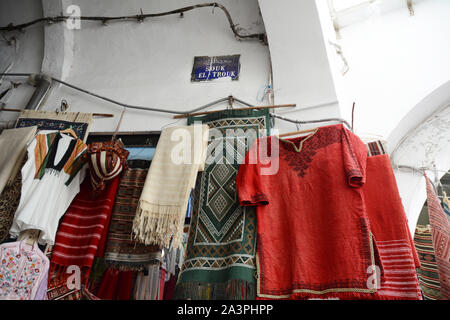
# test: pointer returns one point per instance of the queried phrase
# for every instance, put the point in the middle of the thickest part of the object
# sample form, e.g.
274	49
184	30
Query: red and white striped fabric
400	279
82	233
391	233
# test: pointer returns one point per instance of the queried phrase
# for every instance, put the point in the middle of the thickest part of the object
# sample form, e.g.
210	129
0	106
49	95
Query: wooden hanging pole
106	115
181	116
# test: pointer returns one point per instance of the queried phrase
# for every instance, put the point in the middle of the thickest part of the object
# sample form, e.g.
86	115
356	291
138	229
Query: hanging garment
106	161
390	229
116	285
121	250
148	283
99	268
23	271
220	253
9	201
314	237
428	272
446	205
440	229
13	146
162	206
169	288
82	232
376	148
48	120
50	180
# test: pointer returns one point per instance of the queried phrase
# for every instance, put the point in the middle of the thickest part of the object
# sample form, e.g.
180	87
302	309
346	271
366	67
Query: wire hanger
69	131
293	133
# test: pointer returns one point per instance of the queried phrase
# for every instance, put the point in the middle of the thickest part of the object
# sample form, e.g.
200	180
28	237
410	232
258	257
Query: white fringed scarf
179	155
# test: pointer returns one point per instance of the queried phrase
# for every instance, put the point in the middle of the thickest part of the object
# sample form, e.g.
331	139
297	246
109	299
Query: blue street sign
212	68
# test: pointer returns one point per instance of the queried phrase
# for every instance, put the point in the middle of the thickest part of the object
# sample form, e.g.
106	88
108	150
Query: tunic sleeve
249	185
355	157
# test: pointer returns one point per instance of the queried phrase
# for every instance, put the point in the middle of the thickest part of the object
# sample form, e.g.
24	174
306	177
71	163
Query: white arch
421	140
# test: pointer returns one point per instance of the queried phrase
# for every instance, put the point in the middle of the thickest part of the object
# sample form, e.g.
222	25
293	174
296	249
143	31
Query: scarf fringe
230	290
159	224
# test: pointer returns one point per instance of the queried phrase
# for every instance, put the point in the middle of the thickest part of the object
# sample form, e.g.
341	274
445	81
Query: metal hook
140	18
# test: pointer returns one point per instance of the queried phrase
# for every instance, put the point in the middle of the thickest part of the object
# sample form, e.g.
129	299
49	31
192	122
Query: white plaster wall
301	71
30	49
149	64
399	79
422	142
395	61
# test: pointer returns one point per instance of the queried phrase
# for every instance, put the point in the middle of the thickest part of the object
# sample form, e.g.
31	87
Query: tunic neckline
304	138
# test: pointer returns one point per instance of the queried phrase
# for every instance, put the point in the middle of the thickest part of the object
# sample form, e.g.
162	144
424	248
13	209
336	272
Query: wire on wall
140	18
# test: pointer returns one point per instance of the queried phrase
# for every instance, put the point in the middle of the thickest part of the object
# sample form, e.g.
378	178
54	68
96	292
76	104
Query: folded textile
121	250
141	153
13	146
49	120
428	272
389	227
440	229
106	161
162	205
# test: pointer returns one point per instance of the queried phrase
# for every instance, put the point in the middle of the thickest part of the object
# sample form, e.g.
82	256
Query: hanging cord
266	89
118	124
353	115
139	18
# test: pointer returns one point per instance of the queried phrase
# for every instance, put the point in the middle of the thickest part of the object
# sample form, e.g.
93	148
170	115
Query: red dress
313	233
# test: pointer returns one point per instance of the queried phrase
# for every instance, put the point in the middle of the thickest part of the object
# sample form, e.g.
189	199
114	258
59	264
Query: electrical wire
139	18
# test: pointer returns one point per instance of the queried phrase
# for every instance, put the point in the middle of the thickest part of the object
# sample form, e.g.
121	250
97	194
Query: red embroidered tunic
313	234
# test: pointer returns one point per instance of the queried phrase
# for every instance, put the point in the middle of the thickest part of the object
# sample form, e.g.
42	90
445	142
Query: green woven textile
220	254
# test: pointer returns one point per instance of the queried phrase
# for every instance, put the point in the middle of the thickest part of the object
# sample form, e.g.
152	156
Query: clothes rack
228	98
182	114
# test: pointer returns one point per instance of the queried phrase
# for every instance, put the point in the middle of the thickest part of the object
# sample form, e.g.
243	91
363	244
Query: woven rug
440	229
428	272
121	250
47	120
220	254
